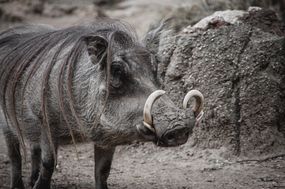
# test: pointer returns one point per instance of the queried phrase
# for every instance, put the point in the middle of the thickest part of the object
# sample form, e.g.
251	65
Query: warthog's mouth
146	134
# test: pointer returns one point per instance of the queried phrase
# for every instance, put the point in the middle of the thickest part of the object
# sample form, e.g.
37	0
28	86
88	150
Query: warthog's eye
118	74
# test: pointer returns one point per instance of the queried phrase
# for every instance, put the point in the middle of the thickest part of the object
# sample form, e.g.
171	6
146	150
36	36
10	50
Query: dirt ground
143	166
146	166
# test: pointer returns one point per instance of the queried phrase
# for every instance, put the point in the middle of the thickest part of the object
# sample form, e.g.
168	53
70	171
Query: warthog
94	82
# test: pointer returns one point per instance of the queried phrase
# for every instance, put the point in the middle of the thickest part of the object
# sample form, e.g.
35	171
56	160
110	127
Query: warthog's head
134	107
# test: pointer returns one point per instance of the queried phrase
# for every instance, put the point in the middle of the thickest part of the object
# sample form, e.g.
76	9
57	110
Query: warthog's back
10	38
11	41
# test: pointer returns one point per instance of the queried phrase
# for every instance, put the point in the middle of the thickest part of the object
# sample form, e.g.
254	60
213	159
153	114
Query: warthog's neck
89	94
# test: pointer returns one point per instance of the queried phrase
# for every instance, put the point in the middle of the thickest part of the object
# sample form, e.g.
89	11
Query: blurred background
139	13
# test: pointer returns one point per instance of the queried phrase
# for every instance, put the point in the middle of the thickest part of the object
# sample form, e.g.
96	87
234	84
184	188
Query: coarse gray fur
83	83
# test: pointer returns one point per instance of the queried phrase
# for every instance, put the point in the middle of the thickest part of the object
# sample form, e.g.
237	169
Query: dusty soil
145	165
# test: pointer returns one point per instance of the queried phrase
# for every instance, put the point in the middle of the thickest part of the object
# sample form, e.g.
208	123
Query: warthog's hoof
18	185
42	184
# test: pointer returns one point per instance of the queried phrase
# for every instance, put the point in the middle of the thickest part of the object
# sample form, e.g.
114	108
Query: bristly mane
27	47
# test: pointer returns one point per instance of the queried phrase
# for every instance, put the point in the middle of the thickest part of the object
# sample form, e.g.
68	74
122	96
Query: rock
238	64
229	16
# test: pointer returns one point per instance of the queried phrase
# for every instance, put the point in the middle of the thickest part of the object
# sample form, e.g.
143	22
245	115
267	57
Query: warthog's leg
103	161
15	159
47	163
36	160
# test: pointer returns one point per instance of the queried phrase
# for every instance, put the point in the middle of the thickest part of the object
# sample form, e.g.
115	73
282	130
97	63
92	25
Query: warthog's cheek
145	133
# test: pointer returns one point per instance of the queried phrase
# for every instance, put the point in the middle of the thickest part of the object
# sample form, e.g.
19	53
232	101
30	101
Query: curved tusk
150	127
199	103
147	118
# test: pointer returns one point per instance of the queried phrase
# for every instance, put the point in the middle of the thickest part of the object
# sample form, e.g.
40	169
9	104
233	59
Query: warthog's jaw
145	133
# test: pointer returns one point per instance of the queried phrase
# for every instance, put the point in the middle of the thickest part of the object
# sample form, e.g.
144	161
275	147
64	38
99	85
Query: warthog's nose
174	137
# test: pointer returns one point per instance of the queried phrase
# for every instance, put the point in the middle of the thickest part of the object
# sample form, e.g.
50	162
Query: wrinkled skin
110	112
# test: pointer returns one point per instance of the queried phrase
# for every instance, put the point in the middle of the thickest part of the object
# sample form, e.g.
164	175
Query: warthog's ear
97	48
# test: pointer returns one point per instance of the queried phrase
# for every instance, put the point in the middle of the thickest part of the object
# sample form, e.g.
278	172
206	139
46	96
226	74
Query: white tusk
199	102
149	126
147	118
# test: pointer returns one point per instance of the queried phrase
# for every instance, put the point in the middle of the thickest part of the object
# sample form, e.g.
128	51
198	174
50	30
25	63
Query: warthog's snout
175	137
177	129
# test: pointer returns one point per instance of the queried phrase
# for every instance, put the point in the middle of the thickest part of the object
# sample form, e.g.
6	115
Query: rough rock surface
240	68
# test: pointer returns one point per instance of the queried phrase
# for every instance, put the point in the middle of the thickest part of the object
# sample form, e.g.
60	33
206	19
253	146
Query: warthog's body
81	83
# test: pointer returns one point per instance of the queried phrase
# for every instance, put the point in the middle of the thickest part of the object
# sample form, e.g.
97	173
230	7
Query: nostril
175	137
186	134
170	136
